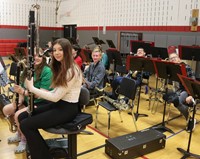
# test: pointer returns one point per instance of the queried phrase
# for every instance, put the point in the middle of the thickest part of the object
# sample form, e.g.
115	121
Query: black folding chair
127	89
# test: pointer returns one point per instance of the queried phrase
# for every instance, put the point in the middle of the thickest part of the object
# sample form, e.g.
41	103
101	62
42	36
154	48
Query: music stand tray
193	88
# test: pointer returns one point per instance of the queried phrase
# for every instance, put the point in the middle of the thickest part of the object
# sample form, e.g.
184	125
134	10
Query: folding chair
127	89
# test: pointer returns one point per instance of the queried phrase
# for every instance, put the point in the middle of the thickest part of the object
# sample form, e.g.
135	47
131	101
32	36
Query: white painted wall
100	12
15	12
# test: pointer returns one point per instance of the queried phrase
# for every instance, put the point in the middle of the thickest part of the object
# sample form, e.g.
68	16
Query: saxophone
9	118
119	103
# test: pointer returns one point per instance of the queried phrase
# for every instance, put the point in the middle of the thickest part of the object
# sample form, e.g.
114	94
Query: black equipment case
135	144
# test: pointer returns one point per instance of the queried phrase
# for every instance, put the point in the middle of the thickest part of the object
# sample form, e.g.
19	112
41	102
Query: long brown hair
61	75
39	68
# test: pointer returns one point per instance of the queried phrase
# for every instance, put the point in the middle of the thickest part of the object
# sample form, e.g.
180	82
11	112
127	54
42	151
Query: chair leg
168	114
72	146
97	112
84	106
95	102
109	114
134	119
120	116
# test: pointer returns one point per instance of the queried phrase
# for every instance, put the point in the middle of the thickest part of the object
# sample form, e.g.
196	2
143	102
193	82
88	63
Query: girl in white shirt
66	84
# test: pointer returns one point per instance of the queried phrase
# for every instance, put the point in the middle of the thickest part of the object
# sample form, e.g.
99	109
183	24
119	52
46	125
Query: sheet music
1	68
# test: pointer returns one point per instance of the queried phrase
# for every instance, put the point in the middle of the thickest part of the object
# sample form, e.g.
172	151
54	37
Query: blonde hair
97	49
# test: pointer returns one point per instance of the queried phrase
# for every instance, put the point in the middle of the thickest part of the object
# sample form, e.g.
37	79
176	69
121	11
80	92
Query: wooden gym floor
92	146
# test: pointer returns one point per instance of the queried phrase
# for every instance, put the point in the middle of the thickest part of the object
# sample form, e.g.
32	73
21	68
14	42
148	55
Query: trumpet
119	103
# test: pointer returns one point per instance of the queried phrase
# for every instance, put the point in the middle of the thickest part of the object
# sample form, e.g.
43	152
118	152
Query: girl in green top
42	80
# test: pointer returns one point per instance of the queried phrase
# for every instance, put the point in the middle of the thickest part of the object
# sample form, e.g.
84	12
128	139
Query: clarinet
30	58
17	82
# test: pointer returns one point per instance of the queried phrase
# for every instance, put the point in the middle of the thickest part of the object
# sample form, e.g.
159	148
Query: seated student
95	73
48	51
75	52
135	75
178	95
42	80
66	84
104	58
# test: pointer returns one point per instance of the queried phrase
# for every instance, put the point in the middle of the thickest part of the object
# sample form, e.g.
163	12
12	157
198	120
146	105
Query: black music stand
159	52
193	88
110	44
168	71
190	53
114	57
135	45
97	41
141	64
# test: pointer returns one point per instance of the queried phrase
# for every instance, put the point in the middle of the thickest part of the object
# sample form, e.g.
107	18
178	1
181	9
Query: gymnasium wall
165	22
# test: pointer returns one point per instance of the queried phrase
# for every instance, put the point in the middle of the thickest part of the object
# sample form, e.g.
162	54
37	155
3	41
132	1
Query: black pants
44	117
179	101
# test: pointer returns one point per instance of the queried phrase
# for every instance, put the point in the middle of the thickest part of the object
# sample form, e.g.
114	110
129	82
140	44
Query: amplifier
135	144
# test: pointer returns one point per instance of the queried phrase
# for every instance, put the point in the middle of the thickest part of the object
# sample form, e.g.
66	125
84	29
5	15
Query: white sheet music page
1	68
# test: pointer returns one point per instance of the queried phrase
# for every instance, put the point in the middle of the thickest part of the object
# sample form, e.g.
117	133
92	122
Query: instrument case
135	144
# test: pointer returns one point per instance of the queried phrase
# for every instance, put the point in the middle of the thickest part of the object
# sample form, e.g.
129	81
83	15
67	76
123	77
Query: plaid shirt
190	73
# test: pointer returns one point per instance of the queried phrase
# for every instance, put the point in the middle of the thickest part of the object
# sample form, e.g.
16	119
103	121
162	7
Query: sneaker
191	125
21	147
14	139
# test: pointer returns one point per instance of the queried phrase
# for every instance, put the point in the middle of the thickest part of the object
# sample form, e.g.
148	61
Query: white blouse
69	93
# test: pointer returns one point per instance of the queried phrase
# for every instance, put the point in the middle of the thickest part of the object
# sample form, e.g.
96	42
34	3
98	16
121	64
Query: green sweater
44	81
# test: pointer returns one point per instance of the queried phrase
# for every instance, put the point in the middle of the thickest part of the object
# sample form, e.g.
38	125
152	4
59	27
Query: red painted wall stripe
25	27
110	28
142	28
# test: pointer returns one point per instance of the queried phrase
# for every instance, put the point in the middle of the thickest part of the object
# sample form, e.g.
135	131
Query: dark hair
77	48
39	68
60	69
